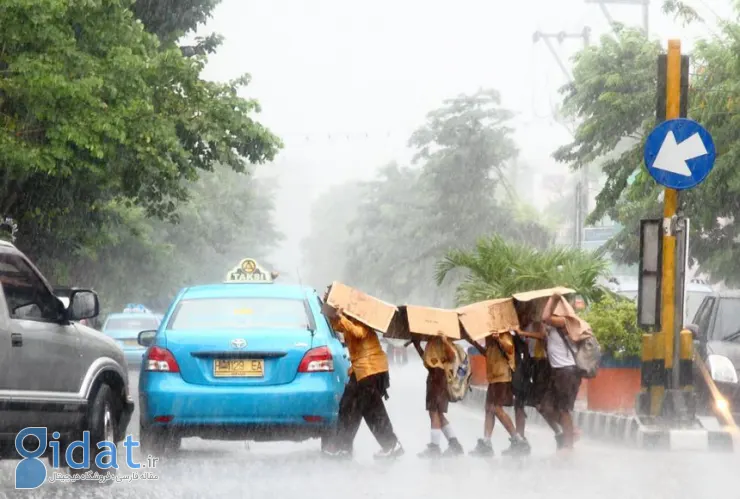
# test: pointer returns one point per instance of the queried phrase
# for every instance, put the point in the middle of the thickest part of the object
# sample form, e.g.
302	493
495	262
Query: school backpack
588	356
458	374
521	378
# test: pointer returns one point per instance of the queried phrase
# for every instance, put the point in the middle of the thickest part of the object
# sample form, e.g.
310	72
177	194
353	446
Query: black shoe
519	447
432	451
559	441
484	448
454	448
395	451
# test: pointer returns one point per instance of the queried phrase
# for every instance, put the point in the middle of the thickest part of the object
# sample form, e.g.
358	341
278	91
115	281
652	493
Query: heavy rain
233	231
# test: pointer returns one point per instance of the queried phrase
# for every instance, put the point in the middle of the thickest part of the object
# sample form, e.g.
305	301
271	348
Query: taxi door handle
16	339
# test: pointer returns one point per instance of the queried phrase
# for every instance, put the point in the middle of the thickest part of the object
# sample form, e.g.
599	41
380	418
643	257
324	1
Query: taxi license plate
239	368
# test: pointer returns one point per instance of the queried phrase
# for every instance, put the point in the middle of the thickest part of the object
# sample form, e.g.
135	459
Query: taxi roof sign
249	270
136	308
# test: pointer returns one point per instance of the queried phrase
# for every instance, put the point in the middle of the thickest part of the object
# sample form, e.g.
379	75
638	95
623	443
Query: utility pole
645	10
582	190
584	35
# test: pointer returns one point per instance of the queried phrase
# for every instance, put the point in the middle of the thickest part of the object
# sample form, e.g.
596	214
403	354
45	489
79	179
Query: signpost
679	154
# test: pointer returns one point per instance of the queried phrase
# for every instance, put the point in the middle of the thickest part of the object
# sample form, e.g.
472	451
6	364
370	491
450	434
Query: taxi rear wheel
155	441
326	441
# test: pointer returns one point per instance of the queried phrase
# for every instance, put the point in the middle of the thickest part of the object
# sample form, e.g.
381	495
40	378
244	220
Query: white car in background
696	291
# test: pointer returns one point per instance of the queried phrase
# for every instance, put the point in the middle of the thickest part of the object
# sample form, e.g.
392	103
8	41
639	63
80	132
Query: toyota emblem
239	343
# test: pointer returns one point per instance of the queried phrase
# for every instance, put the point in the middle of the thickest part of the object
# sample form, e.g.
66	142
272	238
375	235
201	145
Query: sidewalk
626	429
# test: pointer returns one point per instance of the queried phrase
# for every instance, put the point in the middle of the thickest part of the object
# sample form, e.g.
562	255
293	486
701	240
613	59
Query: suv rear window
240	313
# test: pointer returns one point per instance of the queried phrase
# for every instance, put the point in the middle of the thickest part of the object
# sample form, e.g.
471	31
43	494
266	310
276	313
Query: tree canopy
406	219
228	217
613	96
107	125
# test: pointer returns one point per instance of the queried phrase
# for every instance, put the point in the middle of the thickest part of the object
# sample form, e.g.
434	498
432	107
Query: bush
614	323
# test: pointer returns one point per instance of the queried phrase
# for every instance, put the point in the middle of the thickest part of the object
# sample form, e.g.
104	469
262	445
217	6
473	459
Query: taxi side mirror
146	338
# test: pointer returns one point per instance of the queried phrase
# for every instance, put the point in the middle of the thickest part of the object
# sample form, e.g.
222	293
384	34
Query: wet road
204	469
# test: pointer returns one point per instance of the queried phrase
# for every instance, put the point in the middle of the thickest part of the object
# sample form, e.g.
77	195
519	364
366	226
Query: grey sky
344	83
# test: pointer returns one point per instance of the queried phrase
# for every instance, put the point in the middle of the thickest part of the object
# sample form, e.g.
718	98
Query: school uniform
539	370
438	399
367	387
565	380
500	364
437	396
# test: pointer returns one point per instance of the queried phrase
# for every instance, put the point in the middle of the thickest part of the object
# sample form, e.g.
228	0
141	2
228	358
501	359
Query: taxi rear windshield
240	313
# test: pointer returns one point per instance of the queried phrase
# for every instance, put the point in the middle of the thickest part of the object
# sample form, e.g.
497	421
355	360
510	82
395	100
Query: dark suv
55	372
716	327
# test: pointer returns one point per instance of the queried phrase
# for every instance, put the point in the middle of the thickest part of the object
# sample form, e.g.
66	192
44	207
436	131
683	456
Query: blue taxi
125	327
248	359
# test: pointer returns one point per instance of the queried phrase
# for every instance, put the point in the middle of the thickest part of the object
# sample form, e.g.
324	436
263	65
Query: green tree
109	133
411	215
497	269
325	249
97	112
613	94
171	19
228	217
465	147
390	251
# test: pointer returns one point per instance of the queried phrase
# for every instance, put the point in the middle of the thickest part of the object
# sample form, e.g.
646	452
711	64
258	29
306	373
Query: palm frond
496	268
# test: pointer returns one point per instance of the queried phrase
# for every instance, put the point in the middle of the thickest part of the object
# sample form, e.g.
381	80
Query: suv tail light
317	360
161	360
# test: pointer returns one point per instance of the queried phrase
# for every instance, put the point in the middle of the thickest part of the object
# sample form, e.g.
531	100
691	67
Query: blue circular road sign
679	154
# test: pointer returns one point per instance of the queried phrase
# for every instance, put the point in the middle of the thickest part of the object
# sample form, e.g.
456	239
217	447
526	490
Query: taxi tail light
317	360
161	360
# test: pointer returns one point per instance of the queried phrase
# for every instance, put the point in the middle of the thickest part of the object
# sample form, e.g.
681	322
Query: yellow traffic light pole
663	345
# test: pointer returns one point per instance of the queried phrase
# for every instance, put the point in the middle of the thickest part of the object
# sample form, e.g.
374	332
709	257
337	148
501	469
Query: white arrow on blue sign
679	154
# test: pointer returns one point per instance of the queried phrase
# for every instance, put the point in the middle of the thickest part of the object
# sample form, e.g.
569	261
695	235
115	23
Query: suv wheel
103	414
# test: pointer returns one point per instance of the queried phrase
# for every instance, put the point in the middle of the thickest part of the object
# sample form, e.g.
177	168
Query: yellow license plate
131	343
239	368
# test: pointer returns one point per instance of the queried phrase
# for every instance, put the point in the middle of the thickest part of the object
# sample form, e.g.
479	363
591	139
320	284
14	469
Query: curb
627	429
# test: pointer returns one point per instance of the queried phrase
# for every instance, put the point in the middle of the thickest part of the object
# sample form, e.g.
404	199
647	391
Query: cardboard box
489	317
542	293
424	321
433	321
539	298
367	309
